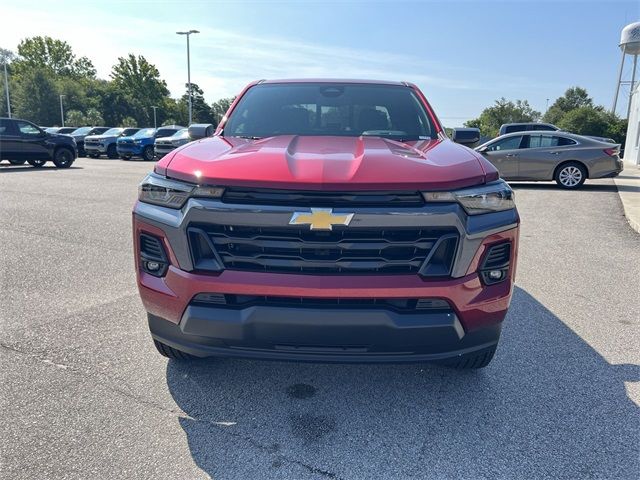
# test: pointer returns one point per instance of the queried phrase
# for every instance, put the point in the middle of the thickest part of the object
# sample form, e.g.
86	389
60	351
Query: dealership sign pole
188	68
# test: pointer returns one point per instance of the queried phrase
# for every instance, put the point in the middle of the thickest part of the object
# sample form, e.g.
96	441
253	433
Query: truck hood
100	137
325	163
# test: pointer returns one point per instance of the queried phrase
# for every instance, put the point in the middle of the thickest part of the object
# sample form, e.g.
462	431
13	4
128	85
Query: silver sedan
541	156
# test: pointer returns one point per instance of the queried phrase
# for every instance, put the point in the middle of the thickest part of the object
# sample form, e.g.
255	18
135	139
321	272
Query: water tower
630	45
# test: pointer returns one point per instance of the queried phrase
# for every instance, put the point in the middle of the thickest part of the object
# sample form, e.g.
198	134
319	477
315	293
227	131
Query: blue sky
463	55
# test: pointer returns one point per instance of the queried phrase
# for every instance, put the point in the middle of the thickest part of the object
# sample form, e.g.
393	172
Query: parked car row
22	141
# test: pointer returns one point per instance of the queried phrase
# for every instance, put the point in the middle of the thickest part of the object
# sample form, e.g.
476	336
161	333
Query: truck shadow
548	406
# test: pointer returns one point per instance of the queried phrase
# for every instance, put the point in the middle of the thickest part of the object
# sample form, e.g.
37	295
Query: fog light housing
495	266
153	258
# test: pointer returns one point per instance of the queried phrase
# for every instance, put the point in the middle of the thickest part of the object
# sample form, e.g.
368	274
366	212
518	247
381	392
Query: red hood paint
327	163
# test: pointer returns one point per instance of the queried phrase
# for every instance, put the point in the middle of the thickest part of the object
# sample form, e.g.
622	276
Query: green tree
200	110
574	97
54	55
590	120
93	117
36	97
74	118
127	122
6	57
139	82
219	108
503	111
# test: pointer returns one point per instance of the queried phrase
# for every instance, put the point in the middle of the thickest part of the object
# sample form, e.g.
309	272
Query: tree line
575	112
44	68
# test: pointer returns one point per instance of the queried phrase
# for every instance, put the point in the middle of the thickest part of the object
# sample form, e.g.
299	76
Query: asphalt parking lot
85	395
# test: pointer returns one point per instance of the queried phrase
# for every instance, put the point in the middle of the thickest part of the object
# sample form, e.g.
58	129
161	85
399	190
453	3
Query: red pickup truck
327	220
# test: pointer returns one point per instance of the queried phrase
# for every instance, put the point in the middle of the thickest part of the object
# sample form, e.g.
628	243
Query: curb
628	185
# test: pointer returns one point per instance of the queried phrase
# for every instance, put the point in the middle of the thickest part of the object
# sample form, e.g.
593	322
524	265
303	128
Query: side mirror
201	130
466	136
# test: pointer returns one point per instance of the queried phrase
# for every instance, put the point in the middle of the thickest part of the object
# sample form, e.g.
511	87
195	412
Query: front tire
63	158
170	352
571	175
147	153
37	163
17	162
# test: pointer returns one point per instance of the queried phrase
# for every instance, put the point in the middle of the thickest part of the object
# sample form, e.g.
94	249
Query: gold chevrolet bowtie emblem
320	218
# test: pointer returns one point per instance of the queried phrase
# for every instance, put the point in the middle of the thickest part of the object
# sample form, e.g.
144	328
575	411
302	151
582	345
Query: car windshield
181	133
128	131
165	132
341	109
145	132
113	131
82	130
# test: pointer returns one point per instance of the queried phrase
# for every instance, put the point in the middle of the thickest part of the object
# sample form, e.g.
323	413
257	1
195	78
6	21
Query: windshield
165	132
113	131
82	131
145	132
128	132
341	109
181	133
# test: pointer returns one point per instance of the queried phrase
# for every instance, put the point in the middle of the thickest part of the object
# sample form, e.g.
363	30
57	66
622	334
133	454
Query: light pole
188	68
62	110
6	88
154	116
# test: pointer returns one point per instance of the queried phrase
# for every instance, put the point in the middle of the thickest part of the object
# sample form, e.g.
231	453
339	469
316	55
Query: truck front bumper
129	150
327	335
94	148
471	322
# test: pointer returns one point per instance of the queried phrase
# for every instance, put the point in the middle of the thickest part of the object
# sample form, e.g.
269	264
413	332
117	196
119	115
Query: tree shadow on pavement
548	406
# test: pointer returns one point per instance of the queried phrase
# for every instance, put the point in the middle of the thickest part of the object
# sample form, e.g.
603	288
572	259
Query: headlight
493	197
165	192
138	142
177	143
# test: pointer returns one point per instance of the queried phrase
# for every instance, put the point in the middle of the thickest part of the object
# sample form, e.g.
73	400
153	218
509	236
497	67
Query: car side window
563	141
541	127
28	129
511	143
542	141
5	127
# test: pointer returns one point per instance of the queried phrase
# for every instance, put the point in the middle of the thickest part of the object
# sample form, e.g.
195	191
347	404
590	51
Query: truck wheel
472	361
37	163
111	151
147	153
17	162
571	175
170	352
63	158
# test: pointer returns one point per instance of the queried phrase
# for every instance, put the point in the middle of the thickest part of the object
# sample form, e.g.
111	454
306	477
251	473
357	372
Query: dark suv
22	141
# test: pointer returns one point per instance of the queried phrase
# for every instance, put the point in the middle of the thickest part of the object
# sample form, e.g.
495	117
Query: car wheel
170	352
63	158
17	162
37	163
571	175
472	361
111	151
147	153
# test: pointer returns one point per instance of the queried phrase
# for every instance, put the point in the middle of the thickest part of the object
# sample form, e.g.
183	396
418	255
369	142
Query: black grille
396	304
321	199
341	251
